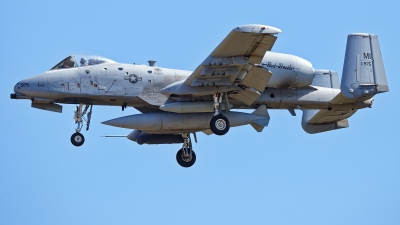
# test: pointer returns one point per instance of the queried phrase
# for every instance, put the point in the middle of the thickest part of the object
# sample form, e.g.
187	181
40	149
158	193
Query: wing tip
258	28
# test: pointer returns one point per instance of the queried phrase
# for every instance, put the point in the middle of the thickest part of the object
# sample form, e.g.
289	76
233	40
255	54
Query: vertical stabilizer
363	72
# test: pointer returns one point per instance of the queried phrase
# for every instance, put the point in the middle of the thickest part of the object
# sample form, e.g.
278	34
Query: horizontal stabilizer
317	121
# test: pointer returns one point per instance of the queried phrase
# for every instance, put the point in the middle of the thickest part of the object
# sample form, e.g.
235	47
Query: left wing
233	66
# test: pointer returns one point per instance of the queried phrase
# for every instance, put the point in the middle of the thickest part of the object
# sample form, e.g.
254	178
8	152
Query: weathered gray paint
240	67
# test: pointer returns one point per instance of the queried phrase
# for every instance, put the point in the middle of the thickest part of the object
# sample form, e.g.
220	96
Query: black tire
77	139
184	162
219	125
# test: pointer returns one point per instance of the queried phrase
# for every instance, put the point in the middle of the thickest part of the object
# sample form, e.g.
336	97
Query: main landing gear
77	138
186	156
219	124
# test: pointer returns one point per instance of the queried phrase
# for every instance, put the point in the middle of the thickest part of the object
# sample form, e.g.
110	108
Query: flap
257	77
247	96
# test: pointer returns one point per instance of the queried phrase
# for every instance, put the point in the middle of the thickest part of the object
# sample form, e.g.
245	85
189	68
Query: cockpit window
81	60
68	62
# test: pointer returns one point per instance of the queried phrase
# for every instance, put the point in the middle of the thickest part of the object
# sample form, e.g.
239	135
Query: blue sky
280	176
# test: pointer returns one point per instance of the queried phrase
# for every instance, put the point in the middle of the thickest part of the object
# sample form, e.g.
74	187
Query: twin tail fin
363	71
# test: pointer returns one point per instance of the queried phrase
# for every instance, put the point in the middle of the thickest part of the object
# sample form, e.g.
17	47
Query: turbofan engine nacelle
288	70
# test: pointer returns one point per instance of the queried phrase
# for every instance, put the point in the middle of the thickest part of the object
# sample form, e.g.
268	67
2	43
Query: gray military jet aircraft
241	73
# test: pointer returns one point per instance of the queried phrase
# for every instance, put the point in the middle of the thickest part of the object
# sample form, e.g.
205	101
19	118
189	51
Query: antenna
152	63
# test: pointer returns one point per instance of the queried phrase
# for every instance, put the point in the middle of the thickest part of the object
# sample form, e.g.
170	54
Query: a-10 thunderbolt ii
241	73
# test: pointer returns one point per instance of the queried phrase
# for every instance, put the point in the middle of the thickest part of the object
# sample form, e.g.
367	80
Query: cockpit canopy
81	60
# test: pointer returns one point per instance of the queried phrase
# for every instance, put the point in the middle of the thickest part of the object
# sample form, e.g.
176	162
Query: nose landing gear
77	138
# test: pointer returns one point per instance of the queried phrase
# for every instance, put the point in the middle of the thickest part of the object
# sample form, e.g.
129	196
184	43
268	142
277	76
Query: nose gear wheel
77	139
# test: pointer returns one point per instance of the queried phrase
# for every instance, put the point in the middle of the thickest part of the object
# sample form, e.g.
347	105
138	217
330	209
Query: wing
233	66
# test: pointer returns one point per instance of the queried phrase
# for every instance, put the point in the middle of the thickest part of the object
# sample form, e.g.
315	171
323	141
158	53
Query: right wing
234	66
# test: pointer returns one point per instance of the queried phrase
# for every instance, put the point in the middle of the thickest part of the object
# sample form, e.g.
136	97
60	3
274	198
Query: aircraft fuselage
118	84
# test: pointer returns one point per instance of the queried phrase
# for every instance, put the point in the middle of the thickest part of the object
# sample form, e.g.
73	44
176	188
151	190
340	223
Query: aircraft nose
21	86
17	86
31	86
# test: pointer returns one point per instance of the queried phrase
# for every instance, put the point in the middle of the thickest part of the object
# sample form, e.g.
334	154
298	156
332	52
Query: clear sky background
280	176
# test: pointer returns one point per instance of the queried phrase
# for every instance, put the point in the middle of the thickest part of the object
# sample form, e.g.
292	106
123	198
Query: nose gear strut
77	138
